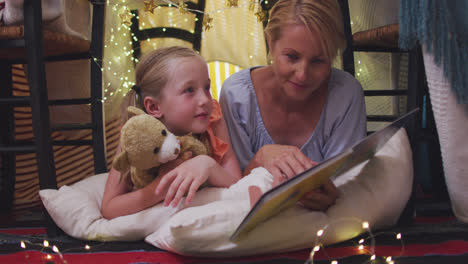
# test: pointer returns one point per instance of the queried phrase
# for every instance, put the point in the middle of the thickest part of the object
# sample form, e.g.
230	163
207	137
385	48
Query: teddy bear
146	145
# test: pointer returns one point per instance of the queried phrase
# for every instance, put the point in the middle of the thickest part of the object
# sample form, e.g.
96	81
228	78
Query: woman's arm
285	162
119	199
280	160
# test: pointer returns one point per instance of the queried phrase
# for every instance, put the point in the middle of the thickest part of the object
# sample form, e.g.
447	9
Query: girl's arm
191	174
229	162
119	199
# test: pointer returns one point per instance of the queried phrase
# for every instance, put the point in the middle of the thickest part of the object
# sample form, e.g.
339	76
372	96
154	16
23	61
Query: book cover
288	193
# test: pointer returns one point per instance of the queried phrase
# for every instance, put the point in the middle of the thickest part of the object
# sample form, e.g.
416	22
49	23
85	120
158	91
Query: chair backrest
193	36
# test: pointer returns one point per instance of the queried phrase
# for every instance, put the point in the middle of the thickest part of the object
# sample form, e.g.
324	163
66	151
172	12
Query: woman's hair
152	74
322	16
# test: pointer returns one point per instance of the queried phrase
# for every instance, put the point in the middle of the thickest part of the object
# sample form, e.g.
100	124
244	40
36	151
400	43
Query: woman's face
299	62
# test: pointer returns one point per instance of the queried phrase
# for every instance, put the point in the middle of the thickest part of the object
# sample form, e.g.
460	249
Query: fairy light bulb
388	259
22	244
55	249
361	241
316	248
320	233
334	262
365	225
87	247
398	236
372	257
361	247
46	243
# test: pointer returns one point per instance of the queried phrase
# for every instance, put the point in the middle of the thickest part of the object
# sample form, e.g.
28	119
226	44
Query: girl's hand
174	163
322	198
283	162
188	176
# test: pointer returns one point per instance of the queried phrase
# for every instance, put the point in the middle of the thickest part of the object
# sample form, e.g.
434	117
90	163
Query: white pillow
375	192
76	208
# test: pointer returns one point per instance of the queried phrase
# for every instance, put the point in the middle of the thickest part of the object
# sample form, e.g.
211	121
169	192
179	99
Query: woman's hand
188	176
322	198
282	161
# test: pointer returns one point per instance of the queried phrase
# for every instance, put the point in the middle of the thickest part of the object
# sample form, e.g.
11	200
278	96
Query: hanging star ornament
126	17
149	6
207	20
183	7
261	16
252	5
232	3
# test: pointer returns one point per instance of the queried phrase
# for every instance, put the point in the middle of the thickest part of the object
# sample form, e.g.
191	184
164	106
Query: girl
173	85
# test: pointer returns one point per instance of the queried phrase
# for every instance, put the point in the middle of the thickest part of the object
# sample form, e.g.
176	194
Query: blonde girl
173	85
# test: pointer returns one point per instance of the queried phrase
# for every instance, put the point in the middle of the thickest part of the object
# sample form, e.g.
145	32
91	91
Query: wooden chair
421	132
30	44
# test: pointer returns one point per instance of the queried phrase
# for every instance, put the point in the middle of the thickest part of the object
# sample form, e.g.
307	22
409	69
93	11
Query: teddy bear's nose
176	151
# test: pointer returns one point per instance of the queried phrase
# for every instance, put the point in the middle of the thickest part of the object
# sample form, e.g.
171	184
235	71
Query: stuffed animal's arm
121	162
189	143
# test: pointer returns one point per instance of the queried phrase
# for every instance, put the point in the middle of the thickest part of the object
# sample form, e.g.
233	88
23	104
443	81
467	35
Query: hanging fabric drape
442	27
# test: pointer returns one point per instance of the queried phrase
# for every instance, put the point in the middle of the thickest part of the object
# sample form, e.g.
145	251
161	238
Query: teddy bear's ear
134	111
121	162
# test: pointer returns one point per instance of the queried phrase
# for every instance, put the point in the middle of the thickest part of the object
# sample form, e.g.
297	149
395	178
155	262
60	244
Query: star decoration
232	3
126	17
149	6
252	5
207	20
261	16
183	7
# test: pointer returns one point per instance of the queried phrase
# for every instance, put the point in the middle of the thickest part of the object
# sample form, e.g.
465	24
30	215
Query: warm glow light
320	232
361	241
49	256
316	248
365	225
361	247
373	257
46	243
87	247
22	244
398	236
388	259
55	249
334	262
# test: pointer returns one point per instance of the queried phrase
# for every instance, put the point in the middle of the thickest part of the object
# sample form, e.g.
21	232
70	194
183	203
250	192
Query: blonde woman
298	111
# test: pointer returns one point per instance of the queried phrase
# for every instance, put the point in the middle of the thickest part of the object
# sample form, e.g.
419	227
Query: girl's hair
322	16
152	75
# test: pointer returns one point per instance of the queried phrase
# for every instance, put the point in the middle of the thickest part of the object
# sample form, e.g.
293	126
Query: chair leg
7	132
99	150
39	102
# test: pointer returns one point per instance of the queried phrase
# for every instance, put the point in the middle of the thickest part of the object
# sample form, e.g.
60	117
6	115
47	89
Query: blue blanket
442	26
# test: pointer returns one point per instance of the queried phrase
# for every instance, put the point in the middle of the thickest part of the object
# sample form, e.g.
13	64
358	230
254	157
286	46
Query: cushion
76	208
376	192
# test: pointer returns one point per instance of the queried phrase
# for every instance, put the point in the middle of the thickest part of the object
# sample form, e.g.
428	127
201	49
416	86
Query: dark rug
429	240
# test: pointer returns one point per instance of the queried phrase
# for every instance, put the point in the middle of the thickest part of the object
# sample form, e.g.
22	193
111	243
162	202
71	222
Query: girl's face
299	62
185	102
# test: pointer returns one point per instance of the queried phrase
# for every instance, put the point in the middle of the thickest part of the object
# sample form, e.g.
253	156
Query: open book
291	191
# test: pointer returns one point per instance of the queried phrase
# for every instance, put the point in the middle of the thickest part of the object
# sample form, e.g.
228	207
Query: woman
298	111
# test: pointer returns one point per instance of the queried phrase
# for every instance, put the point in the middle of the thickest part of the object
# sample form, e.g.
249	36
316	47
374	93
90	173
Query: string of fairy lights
123	12
364	246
